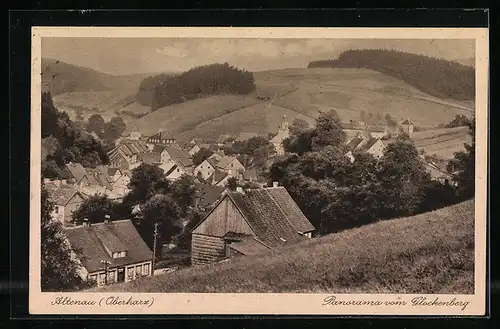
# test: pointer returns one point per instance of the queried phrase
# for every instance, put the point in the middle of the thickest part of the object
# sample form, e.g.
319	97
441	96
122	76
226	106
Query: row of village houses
241	222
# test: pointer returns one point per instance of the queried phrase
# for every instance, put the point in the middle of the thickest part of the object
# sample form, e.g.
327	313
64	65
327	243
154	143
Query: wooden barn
248	223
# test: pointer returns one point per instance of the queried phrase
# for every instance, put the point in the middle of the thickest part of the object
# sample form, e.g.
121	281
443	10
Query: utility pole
155	237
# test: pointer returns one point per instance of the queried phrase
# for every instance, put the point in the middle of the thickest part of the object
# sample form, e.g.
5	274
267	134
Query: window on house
145	269
102	279
232	164
138	271
177	169
93	278
130	273
111	277
56	209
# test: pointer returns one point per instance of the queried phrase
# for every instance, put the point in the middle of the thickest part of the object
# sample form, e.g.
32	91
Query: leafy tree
146	181
201	155
300	143
298	126
328	131
161	209
114	128
183	192
232	183
49	169
463	165
460	120
59	271
96	124
95	208
403	178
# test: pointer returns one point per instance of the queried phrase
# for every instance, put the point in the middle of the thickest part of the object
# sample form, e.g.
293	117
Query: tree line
66	141
214	79
434	76
337	194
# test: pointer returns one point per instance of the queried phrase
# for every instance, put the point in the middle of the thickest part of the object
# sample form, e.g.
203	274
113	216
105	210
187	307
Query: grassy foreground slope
427	253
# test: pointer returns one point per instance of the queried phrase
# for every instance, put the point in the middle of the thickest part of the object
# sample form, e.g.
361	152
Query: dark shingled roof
151	158
76	171
61	195
182	157
208	194
290	208
158	149
265	216
369	144
249	246
88	243
353	143
163	135
407	122
217	176
250	174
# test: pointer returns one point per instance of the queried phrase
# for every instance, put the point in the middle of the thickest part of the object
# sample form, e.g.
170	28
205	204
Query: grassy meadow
427	253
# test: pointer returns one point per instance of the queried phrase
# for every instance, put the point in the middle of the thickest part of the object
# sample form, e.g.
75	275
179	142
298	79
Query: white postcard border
245	303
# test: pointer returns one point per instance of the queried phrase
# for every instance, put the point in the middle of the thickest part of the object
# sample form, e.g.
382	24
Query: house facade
127	154
206	169
109	252
66	198
219	178
408	127
231	166
175	172
248	223
371	145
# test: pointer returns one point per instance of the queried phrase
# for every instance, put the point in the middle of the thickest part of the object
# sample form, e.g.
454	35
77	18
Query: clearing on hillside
307	92
424	254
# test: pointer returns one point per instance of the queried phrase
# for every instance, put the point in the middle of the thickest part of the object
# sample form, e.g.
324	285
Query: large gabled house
66	198
75	174
230	165
162	137
205	169
109	252
127	154
373	146
249	223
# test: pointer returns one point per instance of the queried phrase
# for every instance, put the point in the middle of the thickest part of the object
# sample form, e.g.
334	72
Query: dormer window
120	254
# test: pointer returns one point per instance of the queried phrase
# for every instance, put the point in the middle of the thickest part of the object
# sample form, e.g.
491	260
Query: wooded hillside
434	76
214	79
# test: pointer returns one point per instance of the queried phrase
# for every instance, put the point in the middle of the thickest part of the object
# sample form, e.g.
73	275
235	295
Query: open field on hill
442	142
186	116
427	253
307	92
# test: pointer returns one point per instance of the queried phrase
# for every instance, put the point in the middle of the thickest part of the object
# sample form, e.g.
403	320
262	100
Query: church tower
284	124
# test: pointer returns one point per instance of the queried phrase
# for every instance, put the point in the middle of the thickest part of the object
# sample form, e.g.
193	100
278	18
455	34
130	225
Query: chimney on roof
107	219
86	222
275	184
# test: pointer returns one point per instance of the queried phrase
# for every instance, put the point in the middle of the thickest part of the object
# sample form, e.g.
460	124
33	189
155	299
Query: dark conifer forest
213	79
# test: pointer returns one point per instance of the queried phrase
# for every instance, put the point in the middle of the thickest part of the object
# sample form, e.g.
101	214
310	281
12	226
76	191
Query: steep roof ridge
281	209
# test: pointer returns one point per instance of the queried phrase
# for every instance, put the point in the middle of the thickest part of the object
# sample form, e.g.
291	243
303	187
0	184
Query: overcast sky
127	55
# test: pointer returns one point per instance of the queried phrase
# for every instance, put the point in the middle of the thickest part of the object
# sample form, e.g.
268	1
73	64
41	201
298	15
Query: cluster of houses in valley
237	222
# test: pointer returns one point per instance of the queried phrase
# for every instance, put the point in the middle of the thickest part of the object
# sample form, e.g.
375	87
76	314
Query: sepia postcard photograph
300	171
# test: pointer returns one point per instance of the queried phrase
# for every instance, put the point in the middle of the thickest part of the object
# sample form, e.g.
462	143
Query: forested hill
60	77
434	76
214	79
